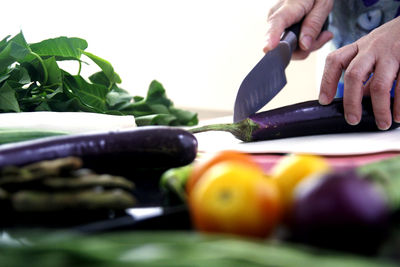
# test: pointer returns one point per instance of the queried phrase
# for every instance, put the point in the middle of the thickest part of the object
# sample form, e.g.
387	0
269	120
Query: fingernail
323	99
351	119
305	41
382	125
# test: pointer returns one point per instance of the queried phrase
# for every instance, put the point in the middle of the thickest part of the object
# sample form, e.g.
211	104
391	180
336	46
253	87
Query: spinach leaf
63	48
3	42
184	117
32	80
100	78
91	96
8	100
156	95
156	119
118	96
12	53
19	74
106	67
55	77
162	109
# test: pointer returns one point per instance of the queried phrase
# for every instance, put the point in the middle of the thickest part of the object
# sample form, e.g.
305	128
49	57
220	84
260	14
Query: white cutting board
331	144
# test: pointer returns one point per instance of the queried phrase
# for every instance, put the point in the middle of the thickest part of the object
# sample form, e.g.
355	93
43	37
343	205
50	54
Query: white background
199	50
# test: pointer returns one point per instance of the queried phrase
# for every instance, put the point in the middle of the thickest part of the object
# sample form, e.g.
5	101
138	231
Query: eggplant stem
241	130
226	127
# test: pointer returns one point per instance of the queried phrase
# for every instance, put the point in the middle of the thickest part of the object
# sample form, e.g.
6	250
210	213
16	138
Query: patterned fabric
352	19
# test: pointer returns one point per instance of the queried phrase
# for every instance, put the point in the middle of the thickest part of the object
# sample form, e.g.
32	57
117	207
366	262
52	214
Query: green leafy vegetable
8	101
19	135
386	173
32	80
160	248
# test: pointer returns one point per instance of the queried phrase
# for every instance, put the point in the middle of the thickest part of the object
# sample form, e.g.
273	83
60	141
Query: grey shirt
352	19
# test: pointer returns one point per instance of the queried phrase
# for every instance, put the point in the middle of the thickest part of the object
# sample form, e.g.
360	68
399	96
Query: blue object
340	87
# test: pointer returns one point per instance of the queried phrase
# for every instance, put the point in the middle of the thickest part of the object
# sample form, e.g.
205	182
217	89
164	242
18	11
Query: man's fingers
275	29
335	63
273	9
382	80
313	22
355	75
285	16
286	13
324	37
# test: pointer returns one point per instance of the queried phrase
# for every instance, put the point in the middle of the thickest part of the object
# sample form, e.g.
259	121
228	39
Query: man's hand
288	12
377	53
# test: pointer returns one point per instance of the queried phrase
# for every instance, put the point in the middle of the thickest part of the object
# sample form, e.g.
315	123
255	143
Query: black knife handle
295	28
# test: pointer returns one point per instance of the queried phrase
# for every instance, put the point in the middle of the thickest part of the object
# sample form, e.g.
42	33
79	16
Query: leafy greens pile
32	80
163	248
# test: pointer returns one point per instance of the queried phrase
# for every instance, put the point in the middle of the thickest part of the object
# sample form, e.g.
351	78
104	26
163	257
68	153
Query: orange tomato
236	198
204	164
292	169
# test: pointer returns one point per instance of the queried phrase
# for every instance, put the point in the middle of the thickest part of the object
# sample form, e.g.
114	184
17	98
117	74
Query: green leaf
156	94
34	69
6	74
11	54
156	119
118	96
136	109
44	106
20	74
138	98
185	117
181	117
168	248
23	94
31	79
4	77
8	100
91	96
4	41
60	102
20	39
106	67
99	78
159	109
54	72
115	112
62	48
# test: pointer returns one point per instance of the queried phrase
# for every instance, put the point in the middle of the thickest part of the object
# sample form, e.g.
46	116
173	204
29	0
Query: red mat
267	161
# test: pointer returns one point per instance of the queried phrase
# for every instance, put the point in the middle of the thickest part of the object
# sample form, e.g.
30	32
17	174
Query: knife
268	77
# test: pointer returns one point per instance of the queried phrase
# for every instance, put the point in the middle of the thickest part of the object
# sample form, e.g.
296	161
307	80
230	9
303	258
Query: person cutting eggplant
366	35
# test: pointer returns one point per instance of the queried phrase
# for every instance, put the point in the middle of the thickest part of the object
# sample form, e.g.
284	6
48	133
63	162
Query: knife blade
268	77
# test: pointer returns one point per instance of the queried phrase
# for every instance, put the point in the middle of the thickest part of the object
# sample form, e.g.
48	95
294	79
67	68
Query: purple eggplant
341	210
301	119
155	147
